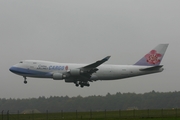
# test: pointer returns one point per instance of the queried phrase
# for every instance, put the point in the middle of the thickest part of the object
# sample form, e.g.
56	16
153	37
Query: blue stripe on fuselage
29	72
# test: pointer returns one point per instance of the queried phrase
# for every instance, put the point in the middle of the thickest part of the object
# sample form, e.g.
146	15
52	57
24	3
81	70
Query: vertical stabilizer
154	57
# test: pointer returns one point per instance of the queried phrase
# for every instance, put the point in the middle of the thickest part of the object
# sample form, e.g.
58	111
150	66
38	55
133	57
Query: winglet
154	57
106	58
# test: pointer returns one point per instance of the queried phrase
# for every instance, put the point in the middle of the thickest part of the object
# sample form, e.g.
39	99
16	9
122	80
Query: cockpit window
21	62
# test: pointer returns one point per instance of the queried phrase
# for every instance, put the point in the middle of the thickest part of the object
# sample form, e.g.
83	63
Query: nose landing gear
25	81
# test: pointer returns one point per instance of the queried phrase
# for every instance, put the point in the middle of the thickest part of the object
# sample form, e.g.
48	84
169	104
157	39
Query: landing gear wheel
76	83
25	82
82	86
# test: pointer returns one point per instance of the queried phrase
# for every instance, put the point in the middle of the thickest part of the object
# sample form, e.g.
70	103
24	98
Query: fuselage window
21	62
34	63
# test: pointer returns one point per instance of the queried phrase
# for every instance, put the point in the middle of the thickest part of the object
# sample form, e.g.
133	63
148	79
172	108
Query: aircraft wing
83	75
91	68
97	63
88	70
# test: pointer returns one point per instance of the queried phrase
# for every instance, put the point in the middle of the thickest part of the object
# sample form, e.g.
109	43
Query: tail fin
154	57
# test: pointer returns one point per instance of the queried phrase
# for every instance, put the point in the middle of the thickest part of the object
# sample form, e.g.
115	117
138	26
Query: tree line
118	101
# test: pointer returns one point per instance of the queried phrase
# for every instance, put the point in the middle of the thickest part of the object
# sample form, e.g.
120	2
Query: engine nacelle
94	78
75	72
58	76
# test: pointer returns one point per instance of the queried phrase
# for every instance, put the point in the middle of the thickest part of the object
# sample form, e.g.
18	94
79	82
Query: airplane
82	74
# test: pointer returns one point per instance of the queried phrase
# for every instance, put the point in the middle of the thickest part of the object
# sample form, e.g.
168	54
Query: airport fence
119	114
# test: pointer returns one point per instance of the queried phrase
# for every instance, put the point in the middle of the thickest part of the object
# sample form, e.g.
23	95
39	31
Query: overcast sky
84	31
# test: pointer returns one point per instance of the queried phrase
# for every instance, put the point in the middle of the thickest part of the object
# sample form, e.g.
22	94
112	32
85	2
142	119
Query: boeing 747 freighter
82	74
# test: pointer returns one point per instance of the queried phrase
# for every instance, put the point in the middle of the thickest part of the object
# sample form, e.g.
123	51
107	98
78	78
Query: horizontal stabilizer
152	68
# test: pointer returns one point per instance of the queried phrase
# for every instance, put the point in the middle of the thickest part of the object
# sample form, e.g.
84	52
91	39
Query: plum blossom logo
153	57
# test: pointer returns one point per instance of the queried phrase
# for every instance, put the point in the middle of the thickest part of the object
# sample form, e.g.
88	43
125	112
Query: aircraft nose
12	69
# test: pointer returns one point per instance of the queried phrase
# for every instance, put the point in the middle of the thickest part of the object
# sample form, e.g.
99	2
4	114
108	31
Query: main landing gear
82	84
25	81
76	83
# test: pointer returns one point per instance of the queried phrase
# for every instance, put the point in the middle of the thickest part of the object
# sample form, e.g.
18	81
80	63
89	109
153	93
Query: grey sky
83	31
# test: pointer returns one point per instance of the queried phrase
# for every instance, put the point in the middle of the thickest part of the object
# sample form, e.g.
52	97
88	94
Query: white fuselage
45	69
82	74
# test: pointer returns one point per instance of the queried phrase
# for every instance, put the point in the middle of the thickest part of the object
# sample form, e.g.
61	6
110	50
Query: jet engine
58	76
76	72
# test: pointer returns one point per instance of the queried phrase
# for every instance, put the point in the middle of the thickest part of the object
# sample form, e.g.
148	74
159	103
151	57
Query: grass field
163	114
